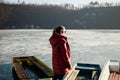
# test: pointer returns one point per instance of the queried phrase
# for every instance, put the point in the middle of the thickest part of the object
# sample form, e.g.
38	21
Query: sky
75	2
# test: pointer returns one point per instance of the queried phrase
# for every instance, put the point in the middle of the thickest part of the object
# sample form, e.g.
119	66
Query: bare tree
93	4
96	3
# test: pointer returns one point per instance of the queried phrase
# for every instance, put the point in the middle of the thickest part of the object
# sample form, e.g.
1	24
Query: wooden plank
41	67
72	72
92	67
23	74
20	71
93	74
114	76
32	58
119	77
111	75
73	75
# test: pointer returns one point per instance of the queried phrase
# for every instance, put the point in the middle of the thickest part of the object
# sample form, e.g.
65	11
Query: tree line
27	16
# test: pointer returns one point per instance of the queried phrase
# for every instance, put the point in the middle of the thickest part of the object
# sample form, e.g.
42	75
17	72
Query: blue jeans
58	77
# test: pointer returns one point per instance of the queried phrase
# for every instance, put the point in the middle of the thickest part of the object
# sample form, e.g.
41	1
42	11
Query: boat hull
112	66
29	67
83	71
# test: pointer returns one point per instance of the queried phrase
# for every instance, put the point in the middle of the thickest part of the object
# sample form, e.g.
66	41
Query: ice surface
87	46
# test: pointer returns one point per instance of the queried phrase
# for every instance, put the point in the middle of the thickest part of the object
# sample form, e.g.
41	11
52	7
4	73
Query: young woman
60	53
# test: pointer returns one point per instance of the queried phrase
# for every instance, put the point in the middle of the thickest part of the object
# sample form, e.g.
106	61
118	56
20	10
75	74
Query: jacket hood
55	39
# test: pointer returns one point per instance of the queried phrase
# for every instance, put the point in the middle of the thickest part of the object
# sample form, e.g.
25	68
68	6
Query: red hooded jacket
60	54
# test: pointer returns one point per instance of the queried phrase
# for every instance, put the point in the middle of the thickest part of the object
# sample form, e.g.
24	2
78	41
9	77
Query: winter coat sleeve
65	53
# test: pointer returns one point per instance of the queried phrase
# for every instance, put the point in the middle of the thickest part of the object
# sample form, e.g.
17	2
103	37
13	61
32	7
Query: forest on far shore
46	16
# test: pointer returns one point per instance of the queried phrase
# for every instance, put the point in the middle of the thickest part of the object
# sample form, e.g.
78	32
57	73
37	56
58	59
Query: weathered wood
46	71
19	69
108	70
41	67
73	75
114	76
29	67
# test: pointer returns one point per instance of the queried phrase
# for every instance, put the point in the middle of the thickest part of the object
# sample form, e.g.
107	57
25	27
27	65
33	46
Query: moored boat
111	70
30	68
83	71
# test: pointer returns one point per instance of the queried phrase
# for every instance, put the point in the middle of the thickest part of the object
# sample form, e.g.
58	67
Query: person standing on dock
60	53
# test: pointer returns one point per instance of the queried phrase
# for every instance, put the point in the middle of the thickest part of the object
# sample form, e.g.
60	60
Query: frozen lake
87	46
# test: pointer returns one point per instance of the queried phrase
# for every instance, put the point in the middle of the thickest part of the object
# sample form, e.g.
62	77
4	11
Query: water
87	46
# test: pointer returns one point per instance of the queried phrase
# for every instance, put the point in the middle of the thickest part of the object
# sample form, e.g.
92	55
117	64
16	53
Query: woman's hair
58	30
